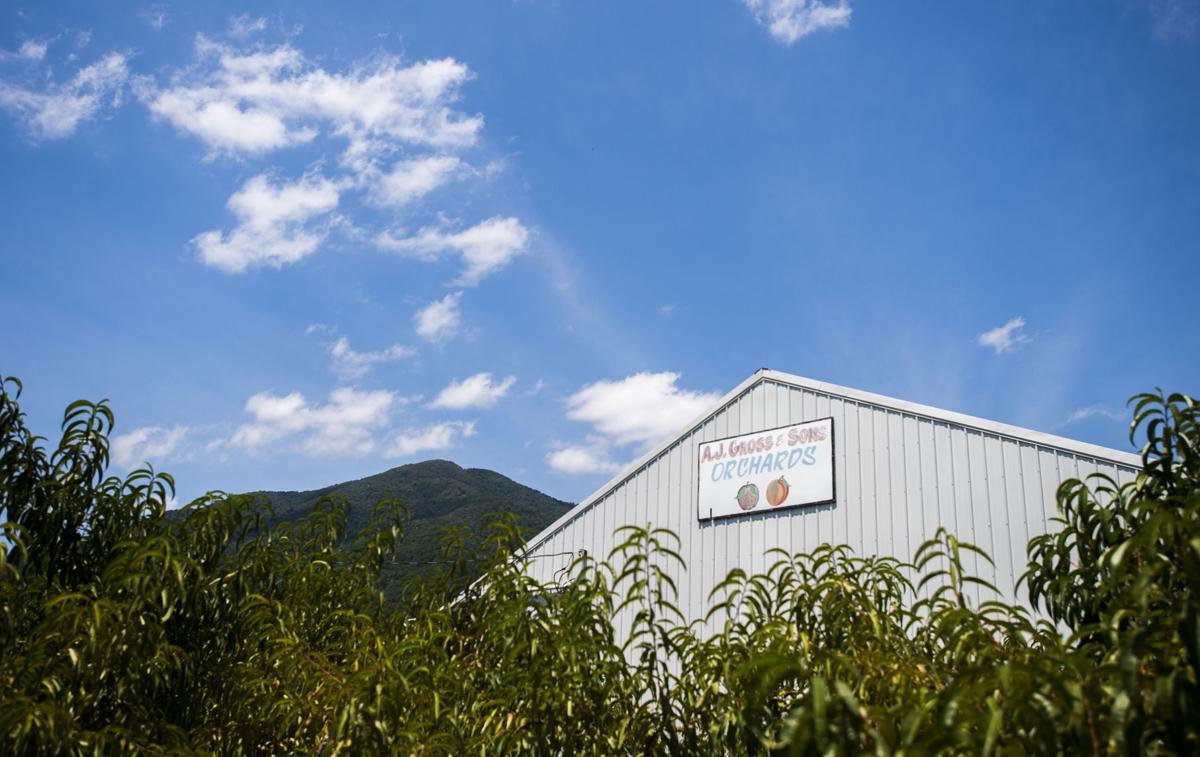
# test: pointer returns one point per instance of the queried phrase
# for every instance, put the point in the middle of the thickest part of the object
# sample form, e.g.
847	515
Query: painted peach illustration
747	496
777	491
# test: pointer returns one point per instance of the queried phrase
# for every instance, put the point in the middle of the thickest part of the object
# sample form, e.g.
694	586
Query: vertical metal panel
691	546
787	529
823	518
943	465
669	490
929	497
606	522
619	507
1124	476
849	488
997	504
1051	476
867	478
679	509
557	547
1031	491
741	532
837	516
707	433
978	511
897	468
918	500
885	515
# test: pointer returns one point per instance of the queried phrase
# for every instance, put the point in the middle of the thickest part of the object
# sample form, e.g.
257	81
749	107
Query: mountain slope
438	493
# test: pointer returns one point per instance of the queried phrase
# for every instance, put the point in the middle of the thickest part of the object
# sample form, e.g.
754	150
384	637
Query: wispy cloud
477	391
352	422
319	328
345	425
275	224
349	364
266	99
1006	338
1094	411
439	320
485	248
582	460
32	49
154	15
148	444
410	180
789	20
57	110
435	438
245	25
1174	20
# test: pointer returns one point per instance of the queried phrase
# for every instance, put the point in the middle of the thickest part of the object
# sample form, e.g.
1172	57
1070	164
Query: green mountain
438	494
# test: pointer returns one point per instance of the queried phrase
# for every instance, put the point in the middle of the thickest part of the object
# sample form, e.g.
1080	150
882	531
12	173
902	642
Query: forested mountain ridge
438	494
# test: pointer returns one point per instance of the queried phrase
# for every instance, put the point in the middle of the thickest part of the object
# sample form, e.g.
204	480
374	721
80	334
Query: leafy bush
124	629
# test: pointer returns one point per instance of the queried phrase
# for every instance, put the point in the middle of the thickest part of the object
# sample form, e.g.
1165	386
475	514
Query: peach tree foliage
125	629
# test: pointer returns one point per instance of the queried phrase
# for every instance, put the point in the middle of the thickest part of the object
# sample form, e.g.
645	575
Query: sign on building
784	467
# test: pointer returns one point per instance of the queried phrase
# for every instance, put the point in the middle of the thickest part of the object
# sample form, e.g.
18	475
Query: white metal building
877	473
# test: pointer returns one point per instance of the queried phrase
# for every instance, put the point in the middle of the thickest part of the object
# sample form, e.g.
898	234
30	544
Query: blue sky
298	243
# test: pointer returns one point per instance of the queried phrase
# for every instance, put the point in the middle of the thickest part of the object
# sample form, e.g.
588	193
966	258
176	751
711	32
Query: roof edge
1066	444
1128	459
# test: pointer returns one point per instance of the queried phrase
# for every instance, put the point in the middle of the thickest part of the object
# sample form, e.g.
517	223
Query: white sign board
767	470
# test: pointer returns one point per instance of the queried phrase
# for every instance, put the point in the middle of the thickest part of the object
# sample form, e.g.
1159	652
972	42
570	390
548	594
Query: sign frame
711	518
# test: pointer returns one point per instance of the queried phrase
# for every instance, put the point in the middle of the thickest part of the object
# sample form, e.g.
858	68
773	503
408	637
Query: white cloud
789	20
349	365
221	119
485	248
441	436
439	320
1006	338
410	180
666	311
32	49
245	25
645	407
582	460
154	444
274	224
1174	20
345	425
57	111
1093	411
155	15
271	98
476	391
399	123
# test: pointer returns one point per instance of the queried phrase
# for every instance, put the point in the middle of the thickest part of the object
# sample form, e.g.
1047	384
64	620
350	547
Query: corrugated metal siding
898	477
